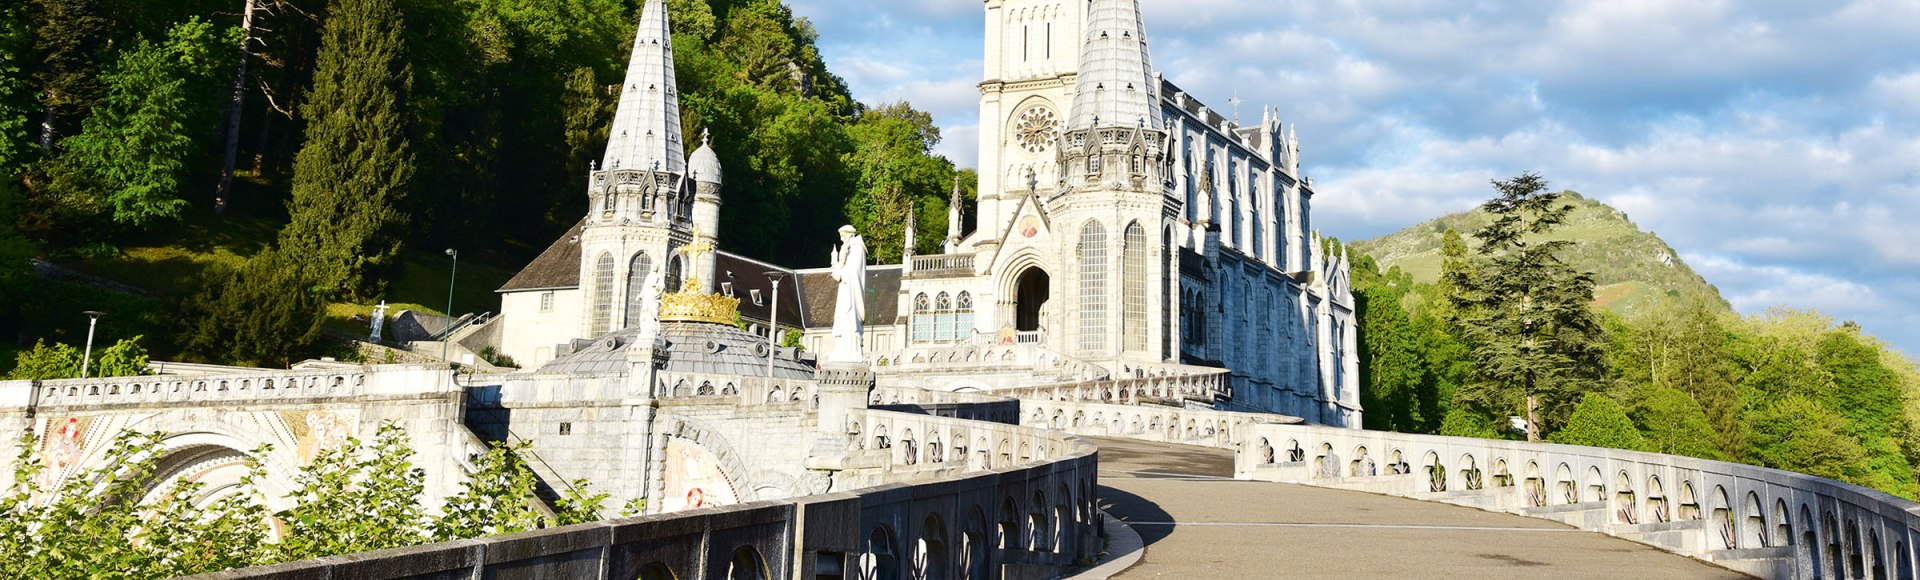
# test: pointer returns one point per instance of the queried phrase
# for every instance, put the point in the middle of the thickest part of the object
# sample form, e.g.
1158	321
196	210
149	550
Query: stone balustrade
1766	522
1214	385
943	265
236	387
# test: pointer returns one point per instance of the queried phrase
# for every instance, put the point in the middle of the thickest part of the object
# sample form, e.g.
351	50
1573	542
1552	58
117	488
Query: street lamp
447	337
773	322
86	360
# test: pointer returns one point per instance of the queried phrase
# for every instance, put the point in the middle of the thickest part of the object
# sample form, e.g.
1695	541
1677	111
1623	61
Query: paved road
1197	522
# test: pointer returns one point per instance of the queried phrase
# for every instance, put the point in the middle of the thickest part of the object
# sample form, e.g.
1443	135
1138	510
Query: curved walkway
1198	522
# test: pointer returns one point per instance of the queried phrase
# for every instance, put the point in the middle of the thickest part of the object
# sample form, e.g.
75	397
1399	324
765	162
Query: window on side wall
546	302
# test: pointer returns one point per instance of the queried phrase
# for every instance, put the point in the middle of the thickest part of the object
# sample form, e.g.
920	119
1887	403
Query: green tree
498	498
46	361
265	313
1673	422
1600	421
1526	311
16	55
1796	433
1461	422
137	142
1396	387
70	37
125	358
897	173
356	165
355	498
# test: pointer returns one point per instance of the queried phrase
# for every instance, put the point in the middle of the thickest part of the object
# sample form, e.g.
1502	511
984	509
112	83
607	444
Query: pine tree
16	46
69	37
264	314
356	164
1525	311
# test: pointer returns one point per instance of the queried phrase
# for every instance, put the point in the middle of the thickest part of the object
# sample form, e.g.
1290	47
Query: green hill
1632	269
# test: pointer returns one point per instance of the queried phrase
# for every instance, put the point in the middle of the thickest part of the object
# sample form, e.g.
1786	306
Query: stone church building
1122	223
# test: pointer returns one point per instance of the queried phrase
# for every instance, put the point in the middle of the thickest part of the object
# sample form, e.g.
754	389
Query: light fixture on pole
773	322
447	337
86	359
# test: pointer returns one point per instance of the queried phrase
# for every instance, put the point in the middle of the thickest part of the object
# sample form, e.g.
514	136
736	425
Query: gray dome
690	347
704	166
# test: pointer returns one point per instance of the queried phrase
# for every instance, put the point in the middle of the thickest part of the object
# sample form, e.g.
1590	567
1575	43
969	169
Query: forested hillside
164	156
1488	332
1634	270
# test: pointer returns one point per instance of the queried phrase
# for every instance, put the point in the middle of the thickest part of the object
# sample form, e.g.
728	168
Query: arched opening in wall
602	296
1134	287
1094	269
1563	482
1436	473
1470	475
1856	561
1362	465
1596	485
1037	524
1902	561
1753	531
1722	519
656	571
930	560
1782	525
1830	528
219	472
1536	486
1689	503
746	565
1657	510
973	546
880	562
1009	532
1625	509
675	270
1808	548
1032	289
1876	561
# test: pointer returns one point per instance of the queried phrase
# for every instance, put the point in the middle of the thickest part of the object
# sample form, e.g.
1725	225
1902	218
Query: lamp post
773	322
447	337
86	359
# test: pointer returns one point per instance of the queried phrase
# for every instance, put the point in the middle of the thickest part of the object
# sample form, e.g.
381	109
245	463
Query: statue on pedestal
850	303
650	291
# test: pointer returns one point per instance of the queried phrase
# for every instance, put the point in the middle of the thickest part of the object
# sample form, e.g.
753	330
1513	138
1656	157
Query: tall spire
1115	86
646	128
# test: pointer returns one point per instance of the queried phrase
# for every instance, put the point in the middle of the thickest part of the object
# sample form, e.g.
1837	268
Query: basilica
1125	229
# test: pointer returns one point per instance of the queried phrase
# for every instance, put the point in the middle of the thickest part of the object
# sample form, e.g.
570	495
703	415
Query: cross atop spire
1116	80
646	126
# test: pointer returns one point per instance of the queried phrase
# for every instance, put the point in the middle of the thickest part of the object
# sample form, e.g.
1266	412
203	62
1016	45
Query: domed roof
690	347
704	166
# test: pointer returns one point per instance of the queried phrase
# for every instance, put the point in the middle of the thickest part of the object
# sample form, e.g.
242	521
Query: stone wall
1026	520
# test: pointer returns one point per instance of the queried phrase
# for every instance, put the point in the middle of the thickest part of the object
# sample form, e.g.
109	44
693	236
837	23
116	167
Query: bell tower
1032	60
644	203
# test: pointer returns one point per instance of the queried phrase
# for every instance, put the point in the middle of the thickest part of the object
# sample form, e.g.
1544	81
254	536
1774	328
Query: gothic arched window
674	271
943	317
637	269
1133	317
922	318
962	316
602	295
1093	287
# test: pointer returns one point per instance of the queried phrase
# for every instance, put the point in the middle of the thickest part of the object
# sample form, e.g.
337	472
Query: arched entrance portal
1029	297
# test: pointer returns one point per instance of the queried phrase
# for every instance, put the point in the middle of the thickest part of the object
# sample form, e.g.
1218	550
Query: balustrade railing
943	264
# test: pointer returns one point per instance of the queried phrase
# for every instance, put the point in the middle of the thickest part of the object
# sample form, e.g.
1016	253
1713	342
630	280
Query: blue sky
1774	144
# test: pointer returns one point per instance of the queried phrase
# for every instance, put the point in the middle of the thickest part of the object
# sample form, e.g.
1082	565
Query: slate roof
746	275
883	296
691	347
557	267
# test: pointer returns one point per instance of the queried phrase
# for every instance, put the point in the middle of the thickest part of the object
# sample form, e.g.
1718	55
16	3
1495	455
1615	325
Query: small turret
906	242
704	168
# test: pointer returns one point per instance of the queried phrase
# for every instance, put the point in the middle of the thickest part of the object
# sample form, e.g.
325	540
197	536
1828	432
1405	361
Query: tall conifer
356	164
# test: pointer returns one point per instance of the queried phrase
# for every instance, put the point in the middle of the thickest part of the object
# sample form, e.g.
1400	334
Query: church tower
1032	59
1112	175
644	202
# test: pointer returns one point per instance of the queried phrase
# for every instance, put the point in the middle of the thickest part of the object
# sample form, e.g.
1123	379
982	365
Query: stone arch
1471	477
1625	509
930	558
1782	525
1596	485
1027	277
1753	523
1689	502
1564	484
713	441
746	564
1362	464
1657	509
1436	472
881	561
1721	515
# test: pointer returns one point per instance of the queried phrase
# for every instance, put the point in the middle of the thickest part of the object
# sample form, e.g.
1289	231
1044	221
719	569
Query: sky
1775	144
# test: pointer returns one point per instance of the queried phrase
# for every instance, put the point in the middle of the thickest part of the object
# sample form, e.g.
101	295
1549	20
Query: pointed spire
953	218
906	242
646	127
1116	79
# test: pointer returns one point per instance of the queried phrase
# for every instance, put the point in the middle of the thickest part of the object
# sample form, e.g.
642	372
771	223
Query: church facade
1121	222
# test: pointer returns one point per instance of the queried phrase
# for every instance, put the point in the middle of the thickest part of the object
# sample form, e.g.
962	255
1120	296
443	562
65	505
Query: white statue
850	304
650	290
